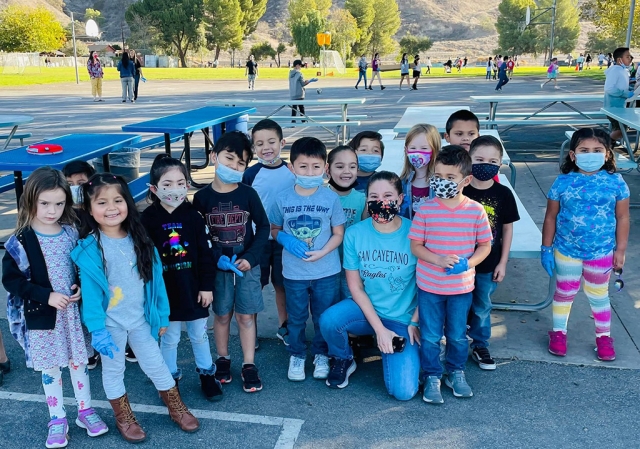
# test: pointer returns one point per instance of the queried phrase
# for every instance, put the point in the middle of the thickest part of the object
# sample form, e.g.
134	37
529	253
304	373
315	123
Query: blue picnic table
202	119
74	147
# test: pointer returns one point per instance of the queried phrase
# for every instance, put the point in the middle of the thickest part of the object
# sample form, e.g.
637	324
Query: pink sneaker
58	433
90	421
604	347
558	343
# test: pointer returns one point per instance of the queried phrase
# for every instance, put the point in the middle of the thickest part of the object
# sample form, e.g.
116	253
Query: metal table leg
17	182
530	307
13	131
187	161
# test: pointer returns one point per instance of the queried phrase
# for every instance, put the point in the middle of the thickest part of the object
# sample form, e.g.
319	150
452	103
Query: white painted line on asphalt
290	428
400	99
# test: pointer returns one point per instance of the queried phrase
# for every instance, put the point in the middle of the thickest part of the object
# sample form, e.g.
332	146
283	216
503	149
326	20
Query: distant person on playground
585	236
510	66
600	60
495	67
416	72
137	63
428	65
588	60
503	78
404	70
616	86
94	67
296	87
251	72
552	74
362	71
370	151
127	70
489	68
375	68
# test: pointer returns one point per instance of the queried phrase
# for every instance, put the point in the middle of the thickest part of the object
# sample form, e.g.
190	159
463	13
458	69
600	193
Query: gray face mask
76	194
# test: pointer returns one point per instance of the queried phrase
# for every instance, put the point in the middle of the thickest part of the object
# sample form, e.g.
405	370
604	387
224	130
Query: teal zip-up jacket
95	289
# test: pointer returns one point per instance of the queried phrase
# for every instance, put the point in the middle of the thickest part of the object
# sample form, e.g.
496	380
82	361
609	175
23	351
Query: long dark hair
132	225
569	165
162	164
390	177
125	59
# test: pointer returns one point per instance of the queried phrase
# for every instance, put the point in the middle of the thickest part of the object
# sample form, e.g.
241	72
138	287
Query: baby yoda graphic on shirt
305	228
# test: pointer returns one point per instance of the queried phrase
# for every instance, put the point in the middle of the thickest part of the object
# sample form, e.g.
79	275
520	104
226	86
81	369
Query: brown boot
126	422
179	412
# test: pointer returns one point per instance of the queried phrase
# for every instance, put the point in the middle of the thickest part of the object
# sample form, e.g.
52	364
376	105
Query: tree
29	30
304	32
414	45
344	31
364	13
512	39
93	14
223	25
262	51
597	43
567	26
386	22
611	19
281	49
252	11
178	22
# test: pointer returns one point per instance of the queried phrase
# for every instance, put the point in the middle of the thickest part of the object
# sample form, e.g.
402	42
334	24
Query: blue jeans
502	81
197	331
362	74
320	294
488	77
438	312
400	369
480	314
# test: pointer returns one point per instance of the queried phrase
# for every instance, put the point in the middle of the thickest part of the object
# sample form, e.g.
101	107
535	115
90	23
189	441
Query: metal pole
75	56
553	29
630	25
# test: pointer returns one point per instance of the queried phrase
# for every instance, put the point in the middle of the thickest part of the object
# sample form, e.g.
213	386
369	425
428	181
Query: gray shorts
242	294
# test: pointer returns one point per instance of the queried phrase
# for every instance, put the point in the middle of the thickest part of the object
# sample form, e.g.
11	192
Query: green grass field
50	75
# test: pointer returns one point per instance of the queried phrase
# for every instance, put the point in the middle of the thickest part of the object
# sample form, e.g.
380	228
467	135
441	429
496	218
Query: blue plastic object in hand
547	259
313	80
630	94
226	264
460	267
296	247
144	80
103	343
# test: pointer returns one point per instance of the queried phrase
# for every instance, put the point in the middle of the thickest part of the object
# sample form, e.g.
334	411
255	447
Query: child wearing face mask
370	151
500	205
616	86
585	236
231	210
179	234
421	146
77	173
450	235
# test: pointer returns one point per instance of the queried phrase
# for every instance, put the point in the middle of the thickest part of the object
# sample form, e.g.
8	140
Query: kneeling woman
381	275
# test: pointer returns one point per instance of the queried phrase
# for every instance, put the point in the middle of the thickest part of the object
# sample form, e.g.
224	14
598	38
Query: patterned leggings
52	383
596	287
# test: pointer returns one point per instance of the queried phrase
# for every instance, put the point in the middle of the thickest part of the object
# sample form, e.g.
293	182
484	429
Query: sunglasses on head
619	283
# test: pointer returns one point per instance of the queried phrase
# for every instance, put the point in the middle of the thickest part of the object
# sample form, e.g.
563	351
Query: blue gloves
460	267
630	94
226	264
103	343
144	80
296	247
313	80
547	259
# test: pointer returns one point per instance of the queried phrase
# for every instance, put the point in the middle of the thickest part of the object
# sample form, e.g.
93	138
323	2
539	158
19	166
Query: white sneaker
541	85
296	369
321	370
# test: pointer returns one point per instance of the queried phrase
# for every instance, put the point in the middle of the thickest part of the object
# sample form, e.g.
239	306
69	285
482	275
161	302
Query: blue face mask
228	175
309	182
369	162
590	162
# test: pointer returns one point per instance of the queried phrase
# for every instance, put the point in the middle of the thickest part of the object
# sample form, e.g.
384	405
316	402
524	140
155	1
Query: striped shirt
445	231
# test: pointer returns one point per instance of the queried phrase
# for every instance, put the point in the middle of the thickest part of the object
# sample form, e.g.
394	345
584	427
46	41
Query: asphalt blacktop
533	399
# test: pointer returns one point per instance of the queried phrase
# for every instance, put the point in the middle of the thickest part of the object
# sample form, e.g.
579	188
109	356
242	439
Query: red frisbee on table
44	149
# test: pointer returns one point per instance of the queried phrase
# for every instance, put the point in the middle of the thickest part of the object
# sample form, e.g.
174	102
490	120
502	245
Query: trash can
124	162
239	124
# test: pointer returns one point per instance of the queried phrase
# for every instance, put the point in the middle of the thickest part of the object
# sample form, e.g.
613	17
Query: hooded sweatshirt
296	85
616	86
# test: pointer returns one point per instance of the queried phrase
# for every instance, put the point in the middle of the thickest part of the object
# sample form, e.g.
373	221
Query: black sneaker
483	358
339	372
223	370
5	367
211	387
93	361
250	380
129	355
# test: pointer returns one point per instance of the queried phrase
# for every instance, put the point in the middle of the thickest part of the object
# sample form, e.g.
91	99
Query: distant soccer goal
19	63
331	59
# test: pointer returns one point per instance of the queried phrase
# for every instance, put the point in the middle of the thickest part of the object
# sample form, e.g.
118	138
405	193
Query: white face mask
172	197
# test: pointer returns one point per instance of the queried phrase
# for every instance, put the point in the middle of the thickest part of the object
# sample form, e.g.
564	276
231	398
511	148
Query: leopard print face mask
443	188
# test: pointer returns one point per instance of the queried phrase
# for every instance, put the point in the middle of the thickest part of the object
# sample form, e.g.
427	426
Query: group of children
136	277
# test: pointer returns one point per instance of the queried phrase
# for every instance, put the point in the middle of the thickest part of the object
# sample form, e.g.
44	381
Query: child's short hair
308	146
486	141
78	167
339	149
433	137
235	142
462	115
267	124
598	134
355	142
456	156
162	164
619	52
384	175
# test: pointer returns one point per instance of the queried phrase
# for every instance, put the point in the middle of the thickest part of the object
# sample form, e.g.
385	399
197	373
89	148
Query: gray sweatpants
127	87
149	358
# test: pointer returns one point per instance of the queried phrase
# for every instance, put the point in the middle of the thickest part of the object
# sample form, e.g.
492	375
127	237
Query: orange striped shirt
446	231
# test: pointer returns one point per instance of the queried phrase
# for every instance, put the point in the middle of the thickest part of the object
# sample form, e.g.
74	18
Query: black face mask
484	172
383	211
333	184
